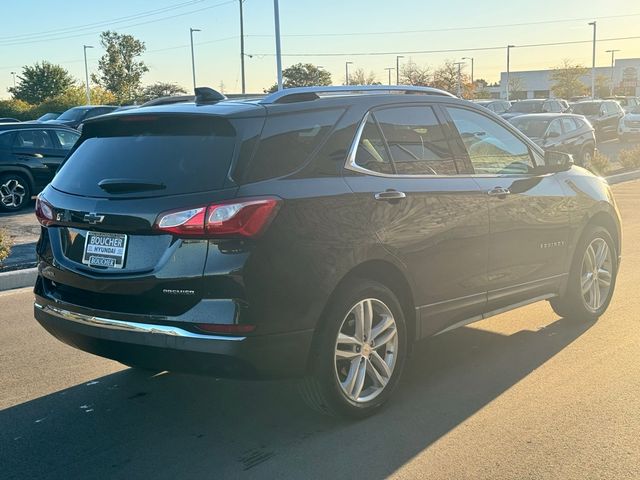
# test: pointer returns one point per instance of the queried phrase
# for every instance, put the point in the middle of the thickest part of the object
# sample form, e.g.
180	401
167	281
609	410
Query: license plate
106	250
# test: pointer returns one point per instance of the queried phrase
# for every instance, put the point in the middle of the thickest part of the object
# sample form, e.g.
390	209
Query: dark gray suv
314	233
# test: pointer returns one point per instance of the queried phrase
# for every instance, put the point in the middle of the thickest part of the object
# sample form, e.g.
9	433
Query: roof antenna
208	95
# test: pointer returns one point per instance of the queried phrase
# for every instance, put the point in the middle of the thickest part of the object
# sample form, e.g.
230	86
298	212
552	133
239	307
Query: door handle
499	192
32	155
390	195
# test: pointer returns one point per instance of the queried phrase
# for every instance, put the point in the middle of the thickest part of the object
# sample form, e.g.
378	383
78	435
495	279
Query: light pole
593	63
193	57
242	47
14	79
613	61
276	17
470	58
346	72
86	74
389	69
398	57
459	87
509	47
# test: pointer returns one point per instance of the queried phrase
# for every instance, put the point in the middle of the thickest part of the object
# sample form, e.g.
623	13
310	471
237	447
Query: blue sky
313	27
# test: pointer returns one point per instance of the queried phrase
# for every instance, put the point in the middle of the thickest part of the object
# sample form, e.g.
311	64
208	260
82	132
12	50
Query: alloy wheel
596	274
366	350
12	193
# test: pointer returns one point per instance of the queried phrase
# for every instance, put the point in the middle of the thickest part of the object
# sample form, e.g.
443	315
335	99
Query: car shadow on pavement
135	424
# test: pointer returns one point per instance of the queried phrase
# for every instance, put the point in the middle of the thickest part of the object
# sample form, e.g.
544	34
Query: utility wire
450	50
18	43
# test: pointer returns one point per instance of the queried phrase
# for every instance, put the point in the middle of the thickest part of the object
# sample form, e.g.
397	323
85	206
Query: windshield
586	108
531	127
527	107
73	114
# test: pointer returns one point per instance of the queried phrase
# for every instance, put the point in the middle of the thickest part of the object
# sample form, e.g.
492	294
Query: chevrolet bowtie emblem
93	218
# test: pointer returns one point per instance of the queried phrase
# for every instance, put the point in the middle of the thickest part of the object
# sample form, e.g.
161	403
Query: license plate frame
105	254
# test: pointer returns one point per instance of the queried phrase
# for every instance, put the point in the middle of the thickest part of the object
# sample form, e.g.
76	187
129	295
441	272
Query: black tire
321	389
15	192
573	304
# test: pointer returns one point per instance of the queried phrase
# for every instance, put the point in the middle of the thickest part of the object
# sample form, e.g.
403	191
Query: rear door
35	149
528	213
423	210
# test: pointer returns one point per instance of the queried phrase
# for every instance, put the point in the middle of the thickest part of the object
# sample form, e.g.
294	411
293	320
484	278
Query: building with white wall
537	84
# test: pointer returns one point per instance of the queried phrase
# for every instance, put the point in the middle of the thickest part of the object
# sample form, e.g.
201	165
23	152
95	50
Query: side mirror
557	161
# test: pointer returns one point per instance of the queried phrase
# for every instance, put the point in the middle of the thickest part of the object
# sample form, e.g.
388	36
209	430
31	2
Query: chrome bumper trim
129	326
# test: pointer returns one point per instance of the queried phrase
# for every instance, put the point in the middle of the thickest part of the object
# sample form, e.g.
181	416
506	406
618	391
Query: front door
430	218
528	215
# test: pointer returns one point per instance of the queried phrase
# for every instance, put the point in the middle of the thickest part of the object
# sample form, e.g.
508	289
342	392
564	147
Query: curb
623	177
18	279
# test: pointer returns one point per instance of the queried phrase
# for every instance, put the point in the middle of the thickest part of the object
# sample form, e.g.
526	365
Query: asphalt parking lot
524	395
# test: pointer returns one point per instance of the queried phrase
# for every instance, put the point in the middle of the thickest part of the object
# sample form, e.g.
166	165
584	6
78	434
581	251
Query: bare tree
413	74
359	77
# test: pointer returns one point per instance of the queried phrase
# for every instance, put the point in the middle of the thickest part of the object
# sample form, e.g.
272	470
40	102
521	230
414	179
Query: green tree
359	77
566	80
73	97
40	82
160	89
413	74
303	75
120	71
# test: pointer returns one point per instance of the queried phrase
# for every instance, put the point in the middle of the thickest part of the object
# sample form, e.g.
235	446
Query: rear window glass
287	141
179	154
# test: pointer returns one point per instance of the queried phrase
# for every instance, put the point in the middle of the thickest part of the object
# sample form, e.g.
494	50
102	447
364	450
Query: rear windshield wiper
127	185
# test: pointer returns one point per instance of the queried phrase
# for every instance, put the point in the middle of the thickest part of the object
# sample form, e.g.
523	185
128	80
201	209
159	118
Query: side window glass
568	125
5	139
416	141
555	130
372	152
66	139
32	139
492	149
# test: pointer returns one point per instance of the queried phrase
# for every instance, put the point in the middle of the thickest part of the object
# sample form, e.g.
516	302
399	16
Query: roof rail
301	94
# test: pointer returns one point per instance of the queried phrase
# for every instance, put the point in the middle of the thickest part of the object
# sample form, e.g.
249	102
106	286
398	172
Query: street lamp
389	69
346	72
509	47
242	48
86	73
193	57
593	63
14	79
470	58
613	53
398	57
276	17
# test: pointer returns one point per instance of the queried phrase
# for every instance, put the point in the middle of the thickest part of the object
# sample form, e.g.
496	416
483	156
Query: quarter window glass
416	141
32	139
287	142
492	149
568	125
66	139
372	153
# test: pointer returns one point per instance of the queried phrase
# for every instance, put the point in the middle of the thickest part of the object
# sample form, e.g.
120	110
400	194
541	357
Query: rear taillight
44	212
242	218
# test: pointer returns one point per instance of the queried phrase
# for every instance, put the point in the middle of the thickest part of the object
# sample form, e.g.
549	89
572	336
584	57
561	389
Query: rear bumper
172	348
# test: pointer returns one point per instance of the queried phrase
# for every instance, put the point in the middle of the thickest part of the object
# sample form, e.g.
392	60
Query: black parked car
30	154
560	132
523	107
9	120
75	116
48	116
604	115
315	233
496	106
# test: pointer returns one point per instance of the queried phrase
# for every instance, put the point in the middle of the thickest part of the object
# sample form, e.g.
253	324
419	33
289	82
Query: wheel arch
23	172
605	220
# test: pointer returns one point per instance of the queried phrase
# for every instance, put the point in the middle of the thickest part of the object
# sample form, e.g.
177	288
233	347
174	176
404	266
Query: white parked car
629	126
